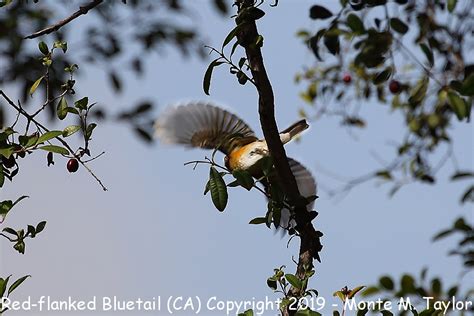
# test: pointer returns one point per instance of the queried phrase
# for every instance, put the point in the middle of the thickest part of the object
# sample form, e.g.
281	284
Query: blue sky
154	233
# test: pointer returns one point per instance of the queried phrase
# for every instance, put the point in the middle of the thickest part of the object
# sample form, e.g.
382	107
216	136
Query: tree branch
310	238
30	118
53	28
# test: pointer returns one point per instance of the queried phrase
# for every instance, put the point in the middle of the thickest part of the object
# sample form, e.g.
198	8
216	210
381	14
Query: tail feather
292	131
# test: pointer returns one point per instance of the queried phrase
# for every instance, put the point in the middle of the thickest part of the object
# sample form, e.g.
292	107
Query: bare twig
62	141
53	28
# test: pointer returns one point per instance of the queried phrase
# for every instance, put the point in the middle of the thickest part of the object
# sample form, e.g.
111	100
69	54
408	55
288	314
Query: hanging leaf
458	105
294	281
62	108
355	23
398	25
35	85
68	131
55	149
467	87
428	53
207	76
43	48
231	35
48	135
383	76
218	189
243	178
17	283
319	12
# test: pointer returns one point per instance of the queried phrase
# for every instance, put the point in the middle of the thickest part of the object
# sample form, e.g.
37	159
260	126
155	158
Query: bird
208	126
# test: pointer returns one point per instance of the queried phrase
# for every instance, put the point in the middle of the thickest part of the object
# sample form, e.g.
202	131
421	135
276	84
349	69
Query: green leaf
443	234
398	25
418	93
407	284
62	108
20	199
68	131
20	247
339	294
467	87
39	228
2	176
43	48
354	291
331	41
355	23
89	130
55	149
468	195
272	283
319	12
218	189
258	220
48	135
7	151
248	312
207	188
428	53
82	103
231	35
452	5
458	105
207	76
35	85
244	179
61	44
383	75
17	283
294	281
436	286
387	283
370	291
5	207
3	285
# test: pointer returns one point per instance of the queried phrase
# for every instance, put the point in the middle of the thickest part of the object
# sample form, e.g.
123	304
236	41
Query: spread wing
306	186
199	124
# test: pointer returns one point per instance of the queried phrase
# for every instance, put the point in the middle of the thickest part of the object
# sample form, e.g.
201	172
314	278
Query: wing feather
306	186
200	124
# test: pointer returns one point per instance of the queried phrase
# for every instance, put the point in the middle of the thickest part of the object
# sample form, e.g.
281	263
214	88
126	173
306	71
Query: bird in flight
204	125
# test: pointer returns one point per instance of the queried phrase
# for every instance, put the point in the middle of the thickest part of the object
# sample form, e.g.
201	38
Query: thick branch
310	243
53	28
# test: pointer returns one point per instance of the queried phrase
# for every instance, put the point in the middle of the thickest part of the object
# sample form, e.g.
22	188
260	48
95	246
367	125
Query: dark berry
394	86
347	78
72	165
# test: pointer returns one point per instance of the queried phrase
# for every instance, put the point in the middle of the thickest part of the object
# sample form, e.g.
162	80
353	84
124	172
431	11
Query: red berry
72	165
347	78
394	86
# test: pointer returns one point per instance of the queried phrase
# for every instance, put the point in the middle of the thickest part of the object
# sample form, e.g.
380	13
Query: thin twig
53	28
62	141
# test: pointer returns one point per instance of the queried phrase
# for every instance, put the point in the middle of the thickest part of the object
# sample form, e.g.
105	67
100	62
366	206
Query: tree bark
310	238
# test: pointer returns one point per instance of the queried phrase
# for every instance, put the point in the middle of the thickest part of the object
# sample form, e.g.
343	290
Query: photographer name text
196	305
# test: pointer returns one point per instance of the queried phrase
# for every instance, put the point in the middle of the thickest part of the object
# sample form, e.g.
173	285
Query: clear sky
155	234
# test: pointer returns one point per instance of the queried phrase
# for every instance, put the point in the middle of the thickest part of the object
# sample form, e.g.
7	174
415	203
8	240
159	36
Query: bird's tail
292	131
